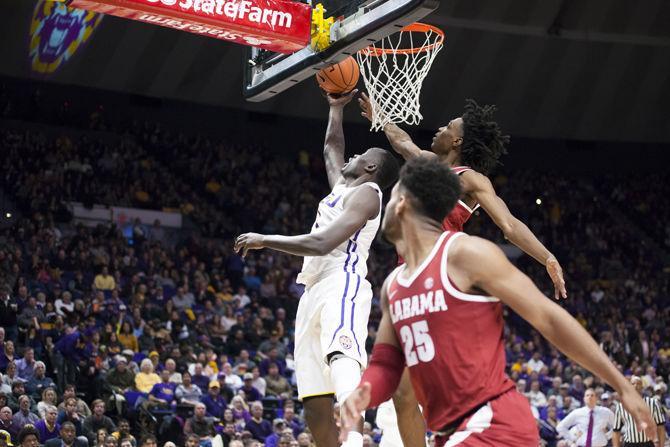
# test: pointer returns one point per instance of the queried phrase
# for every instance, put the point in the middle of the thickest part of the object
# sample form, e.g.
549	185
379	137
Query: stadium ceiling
593	70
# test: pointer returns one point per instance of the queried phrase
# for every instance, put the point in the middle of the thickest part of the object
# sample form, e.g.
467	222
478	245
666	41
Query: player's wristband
384	372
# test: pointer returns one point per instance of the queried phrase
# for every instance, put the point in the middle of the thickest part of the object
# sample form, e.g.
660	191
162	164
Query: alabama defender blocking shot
442	317
332	321
472	145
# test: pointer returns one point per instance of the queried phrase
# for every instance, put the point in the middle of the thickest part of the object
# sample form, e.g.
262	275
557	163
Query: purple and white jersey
351	256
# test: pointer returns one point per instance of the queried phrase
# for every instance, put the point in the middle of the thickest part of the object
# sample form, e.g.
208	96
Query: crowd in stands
617	288
642	198
121	342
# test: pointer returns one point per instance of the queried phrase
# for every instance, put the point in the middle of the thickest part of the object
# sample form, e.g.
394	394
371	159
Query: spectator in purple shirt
25	367
259	428
24	416
278	426
214	402
198	378
240	409
291	419
162	394
72	350
48	427
39	381
251	393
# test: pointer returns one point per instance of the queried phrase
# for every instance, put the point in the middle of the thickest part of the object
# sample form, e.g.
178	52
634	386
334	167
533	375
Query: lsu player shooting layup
331	324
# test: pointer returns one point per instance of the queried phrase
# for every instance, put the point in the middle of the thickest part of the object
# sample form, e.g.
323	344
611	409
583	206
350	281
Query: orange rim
416	27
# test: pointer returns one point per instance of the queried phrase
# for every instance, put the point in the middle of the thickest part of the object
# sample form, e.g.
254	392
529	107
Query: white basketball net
393	71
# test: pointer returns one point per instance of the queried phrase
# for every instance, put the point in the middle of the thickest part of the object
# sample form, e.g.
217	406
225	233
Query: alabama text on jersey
453	341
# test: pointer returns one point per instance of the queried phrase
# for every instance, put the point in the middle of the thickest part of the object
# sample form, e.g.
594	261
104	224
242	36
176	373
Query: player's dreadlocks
483	141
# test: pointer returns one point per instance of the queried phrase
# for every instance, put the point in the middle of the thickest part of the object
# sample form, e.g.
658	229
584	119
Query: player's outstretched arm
359	207
382	376
479	187
475	263
400	140
333	146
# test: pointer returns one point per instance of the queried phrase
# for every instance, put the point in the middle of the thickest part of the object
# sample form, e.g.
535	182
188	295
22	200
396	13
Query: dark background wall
292	134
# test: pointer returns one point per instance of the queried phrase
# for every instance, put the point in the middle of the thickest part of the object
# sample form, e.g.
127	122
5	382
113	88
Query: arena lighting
538	201
8	215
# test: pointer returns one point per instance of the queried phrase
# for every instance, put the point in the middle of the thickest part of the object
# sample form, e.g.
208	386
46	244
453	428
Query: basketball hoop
393	71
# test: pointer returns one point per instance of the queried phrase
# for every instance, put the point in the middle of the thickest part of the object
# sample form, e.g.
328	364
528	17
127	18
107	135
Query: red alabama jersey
453	341
461	212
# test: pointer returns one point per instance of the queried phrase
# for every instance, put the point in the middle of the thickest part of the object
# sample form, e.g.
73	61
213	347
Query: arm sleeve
386	366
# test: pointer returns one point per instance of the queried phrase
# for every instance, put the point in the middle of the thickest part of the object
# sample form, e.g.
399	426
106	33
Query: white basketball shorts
332	317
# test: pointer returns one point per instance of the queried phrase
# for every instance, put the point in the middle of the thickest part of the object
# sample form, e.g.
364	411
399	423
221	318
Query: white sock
354	439
345	373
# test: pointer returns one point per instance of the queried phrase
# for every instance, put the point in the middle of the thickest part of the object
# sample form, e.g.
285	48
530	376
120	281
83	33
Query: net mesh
393	71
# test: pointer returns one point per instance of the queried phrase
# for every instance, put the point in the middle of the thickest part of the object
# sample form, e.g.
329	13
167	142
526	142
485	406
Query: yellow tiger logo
57	32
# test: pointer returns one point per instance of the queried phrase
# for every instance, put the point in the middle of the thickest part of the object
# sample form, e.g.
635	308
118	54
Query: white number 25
418	344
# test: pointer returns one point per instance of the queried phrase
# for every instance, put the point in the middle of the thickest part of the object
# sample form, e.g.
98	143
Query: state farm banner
277	25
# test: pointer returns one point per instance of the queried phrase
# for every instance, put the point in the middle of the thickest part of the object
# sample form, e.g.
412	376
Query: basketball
339	78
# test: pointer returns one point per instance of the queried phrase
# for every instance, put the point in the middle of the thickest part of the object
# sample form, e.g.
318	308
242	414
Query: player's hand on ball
352	408
248	241
341	100
366	107
556	274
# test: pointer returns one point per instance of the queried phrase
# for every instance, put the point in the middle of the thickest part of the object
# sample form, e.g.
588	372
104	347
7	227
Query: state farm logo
243	10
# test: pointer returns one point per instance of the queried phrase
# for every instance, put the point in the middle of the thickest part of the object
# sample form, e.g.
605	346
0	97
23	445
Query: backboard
357	24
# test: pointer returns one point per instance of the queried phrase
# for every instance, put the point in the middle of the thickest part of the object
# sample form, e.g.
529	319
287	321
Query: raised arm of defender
400	140
475	263
479	187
